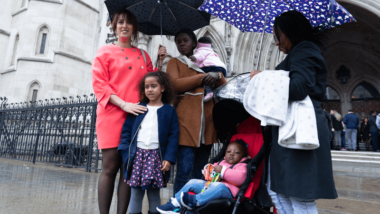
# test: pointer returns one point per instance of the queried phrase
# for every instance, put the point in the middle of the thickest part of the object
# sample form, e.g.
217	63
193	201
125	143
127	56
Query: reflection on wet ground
44	188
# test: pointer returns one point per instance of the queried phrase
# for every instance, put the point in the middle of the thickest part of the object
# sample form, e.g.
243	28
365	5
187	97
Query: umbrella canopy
163	16
257	15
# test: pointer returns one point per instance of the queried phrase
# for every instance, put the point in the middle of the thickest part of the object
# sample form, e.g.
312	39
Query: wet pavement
45	188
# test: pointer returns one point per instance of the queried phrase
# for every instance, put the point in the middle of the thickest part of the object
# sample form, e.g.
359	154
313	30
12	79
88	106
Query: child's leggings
216	190
137	196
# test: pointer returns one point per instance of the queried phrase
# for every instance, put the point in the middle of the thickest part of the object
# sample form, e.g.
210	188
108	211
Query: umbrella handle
262	37
158	58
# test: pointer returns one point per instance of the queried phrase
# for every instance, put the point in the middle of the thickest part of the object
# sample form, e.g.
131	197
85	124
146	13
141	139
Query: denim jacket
168	134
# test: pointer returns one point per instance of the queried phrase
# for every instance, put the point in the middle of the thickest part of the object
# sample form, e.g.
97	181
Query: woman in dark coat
364	133
297	178
336	119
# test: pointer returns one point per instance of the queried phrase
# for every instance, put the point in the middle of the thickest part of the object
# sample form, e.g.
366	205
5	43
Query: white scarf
189	63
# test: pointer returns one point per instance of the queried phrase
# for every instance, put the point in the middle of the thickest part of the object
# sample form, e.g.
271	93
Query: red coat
116	71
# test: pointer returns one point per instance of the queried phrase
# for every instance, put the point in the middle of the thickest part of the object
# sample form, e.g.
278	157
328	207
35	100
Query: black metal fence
59	131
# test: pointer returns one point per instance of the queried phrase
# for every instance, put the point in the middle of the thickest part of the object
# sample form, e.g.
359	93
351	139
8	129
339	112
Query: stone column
143	41
228	36
346	103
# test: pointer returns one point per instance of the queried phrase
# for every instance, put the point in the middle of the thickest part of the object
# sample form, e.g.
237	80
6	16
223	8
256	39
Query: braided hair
243	146
297	28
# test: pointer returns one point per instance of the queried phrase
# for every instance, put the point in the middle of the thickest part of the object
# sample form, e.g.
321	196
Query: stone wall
77	28
72	28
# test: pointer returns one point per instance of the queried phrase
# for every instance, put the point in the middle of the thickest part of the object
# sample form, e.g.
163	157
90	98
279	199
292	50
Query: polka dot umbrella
259	15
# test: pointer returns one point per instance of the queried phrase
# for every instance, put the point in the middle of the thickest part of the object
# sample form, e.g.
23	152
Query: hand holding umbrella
161	55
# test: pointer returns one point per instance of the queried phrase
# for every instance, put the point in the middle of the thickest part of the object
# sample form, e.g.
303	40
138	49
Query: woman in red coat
116	73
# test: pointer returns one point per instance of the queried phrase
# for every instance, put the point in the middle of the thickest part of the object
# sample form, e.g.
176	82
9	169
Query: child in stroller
232	170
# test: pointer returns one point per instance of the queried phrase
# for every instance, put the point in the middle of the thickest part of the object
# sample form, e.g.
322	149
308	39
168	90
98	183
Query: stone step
356	157
373	154
356	165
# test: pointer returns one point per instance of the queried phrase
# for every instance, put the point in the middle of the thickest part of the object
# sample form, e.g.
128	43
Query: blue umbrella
259	15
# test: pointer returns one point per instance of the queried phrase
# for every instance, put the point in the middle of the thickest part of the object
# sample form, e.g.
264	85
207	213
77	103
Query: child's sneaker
168	208
208	97
188	200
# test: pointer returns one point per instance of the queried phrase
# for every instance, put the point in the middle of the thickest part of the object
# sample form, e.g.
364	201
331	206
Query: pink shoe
343	149
208	97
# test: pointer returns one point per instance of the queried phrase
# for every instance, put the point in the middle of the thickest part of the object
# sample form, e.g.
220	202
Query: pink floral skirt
146	172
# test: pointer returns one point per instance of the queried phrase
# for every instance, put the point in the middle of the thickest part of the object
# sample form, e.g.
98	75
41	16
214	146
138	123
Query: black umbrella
163	17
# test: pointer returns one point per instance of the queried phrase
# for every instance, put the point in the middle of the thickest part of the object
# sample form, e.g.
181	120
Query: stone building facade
75	29
47	46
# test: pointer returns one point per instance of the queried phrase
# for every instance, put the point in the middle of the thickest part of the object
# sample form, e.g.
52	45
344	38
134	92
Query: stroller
232	122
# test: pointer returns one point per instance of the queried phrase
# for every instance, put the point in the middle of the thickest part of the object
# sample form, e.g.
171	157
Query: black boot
153	212
136	213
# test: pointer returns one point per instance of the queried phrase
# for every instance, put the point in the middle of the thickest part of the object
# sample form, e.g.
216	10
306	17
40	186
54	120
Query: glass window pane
331	94
43	43
365	90
34	97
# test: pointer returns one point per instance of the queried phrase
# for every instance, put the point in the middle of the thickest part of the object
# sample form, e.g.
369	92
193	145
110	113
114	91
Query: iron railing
59	131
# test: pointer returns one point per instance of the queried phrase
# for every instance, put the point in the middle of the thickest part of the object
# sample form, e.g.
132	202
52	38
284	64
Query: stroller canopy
227	114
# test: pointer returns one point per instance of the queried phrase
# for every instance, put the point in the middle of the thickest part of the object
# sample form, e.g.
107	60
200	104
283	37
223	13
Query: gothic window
365	91
43	36
331	94
23	3
33	92
15	46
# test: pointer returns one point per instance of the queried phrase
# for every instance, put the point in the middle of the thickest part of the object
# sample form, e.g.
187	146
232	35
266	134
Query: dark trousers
374	141
190	163
344	139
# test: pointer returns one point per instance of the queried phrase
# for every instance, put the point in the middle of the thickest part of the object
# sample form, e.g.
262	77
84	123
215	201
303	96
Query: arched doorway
352	60
364	99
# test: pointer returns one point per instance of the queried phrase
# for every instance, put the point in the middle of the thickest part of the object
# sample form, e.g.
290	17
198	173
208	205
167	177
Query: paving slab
347	206
44	188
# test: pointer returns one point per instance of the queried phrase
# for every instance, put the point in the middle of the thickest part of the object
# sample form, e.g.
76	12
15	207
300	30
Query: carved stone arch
43	28
31	87
371	5
273	56
361	80
248	49
337	88
248	44
217	41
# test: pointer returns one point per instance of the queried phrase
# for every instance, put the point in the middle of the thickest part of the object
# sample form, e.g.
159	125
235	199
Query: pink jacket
235	177
206	57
